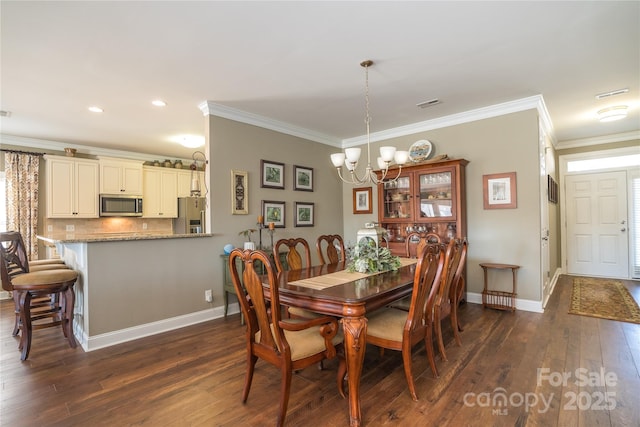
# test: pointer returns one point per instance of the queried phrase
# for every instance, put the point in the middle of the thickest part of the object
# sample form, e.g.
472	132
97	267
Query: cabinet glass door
436	195
397	198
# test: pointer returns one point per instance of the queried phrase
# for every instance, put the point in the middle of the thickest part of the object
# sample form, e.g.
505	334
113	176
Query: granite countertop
113	237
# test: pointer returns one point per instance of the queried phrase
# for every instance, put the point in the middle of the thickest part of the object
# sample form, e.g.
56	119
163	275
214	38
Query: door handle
623	229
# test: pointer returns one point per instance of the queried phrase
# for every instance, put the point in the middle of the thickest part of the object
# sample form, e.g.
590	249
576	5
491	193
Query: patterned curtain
21	174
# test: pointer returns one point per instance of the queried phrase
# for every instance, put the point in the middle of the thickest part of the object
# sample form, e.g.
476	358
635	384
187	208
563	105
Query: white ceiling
298	63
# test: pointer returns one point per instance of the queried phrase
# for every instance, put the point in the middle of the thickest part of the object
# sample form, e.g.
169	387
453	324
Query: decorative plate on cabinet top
420	150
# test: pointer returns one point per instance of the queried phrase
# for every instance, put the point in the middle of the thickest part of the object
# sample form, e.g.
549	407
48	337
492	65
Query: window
603	163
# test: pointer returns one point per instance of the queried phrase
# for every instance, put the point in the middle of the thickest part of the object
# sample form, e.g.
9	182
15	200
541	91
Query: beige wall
502	144
238	146
599	147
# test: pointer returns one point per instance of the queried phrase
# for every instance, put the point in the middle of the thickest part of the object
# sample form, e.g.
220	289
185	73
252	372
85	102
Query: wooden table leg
355	335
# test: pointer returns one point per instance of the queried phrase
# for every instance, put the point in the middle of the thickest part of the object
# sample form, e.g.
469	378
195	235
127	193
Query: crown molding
85	150
532	102
606	139
210	108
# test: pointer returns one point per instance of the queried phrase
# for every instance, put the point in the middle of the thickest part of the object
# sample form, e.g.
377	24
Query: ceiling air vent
612	93
429	103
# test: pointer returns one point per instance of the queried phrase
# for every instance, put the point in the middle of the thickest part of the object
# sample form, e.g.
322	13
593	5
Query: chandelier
351	156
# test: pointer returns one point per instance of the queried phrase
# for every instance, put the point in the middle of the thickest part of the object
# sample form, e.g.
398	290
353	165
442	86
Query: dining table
331	289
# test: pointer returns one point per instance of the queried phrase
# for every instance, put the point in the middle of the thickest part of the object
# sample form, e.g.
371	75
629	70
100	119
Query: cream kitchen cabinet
72	187
118	176
160	193
184	182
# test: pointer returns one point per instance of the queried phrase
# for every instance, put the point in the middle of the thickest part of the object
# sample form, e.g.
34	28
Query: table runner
340	277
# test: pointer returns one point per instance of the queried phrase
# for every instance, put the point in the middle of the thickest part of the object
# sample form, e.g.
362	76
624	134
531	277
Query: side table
227	283
500	300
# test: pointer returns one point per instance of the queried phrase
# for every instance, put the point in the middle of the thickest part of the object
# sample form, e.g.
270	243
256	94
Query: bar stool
27	286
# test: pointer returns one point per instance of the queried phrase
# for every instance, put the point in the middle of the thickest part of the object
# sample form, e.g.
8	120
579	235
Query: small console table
500	300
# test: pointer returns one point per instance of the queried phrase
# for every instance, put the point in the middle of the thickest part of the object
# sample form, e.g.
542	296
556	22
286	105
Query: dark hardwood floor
194	377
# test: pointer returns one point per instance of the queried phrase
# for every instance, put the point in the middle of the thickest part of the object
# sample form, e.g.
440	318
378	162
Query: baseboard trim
129	334
521	304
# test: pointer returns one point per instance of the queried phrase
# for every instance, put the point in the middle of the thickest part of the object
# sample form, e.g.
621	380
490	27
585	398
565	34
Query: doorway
597	211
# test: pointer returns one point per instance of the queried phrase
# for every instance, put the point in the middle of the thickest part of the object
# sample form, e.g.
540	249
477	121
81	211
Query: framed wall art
552	189
304	214
239	192
273	212
302	178
362	201
499	191
272	174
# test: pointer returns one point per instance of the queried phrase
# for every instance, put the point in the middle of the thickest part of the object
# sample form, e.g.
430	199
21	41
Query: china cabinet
429	198
119	176
72	187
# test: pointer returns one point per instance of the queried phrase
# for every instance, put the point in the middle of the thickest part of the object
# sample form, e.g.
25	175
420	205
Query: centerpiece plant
365	257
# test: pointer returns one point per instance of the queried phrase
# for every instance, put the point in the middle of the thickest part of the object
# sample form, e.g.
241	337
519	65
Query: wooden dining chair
449	294
288	344
293	256
292	248
396	329
42	292
415	241
330	248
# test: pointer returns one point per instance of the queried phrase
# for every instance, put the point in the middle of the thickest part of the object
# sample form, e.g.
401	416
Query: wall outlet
144	225
49	228
71	227
208	295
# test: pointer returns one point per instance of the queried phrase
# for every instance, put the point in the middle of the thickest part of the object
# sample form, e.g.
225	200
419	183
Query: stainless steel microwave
120	205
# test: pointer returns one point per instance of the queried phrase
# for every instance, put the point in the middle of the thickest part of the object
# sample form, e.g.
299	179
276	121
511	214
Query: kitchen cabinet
427	197
72	187
160	193
184	182
118	176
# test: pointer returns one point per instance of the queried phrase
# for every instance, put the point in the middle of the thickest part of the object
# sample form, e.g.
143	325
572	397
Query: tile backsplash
108	225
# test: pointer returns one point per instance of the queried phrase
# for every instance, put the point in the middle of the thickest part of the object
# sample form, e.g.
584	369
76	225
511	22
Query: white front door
596	212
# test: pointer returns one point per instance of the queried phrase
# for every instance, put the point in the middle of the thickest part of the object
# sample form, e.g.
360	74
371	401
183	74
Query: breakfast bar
132	285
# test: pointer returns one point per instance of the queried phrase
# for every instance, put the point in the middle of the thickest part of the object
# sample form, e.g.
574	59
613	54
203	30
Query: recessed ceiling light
159	103
611	114
95	109
189	141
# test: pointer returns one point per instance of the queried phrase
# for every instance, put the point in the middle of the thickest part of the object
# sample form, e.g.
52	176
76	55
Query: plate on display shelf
420	150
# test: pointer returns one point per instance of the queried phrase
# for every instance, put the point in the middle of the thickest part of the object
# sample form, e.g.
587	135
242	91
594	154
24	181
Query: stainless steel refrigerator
191	215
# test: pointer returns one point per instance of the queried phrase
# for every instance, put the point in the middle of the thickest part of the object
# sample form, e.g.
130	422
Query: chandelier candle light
351	156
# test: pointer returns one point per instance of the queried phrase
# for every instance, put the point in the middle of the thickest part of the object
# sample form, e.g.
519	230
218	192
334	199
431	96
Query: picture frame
499	191
362	203
273	212
272	174
302	178
552	189
239	192
304	214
